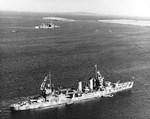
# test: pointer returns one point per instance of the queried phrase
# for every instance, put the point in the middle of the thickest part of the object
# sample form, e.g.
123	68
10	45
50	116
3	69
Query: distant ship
47	26
52	97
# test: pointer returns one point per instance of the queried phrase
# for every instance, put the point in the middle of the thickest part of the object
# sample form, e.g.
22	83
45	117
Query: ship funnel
80	85
91	84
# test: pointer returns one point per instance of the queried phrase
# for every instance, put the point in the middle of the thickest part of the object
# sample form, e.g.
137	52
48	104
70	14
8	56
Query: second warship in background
47	26
51	97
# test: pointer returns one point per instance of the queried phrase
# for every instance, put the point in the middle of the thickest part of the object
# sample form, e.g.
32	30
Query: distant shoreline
128	22
58	19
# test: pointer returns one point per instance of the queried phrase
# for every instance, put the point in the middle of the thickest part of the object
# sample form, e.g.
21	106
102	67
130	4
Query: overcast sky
105	7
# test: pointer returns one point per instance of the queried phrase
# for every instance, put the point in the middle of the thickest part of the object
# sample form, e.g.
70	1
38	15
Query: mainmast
98	76
96	71
50	79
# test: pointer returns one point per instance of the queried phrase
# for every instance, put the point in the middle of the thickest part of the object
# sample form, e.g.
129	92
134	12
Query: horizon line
77	13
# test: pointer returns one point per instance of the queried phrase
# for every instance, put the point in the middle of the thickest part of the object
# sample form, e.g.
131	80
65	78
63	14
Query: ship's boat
51	97
47	26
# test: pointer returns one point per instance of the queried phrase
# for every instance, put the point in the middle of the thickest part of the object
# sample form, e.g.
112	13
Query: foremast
46	86
99	78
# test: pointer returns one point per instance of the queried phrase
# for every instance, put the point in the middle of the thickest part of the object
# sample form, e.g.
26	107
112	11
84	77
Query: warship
47	26
51	97
97	88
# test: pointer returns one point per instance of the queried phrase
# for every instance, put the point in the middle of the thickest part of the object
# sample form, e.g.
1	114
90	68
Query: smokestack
80	85
91	84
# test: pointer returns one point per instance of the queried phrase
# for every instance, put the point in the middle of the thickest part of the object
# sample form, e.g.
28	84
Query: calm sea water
121	52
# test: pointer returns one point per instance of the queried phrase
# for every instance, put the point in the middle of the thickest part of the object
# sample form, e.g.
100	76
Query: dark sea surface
122	52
